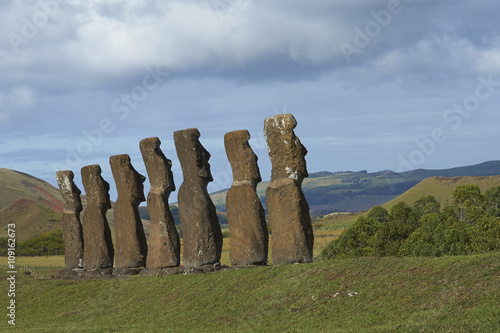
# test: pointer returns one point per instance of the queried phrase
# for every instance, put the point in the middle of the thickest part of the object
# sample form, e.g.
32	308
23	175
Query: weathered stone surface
245	215
202	236
292	235
164	243
98	249
71	225
131	245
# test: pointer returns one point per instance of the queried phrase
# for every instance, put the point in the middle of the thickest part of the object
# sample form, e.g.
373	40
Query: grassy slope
442	189
321	192
30	217
455	294
15	185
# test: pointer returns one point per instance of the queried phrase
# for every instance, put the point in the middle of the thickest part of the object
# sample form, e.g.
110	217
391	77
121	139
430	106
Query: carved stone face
170	177
202	158
300	164
104	198
129	183
96	188
192	156
286	152
241	156
69	191
157	165
137	188
251	163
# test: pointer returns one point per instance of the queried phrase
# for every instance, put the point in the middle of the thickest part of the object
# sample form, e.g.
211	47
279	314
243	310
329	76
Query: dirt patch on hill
50	201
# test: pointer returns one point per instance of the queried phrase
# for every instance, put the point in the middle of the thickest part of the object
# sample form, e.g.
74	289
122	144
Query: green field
46	266
450	294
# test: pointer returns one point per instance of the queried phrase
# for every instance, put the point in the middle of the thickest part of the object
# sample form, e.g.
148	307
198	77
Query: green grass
451	294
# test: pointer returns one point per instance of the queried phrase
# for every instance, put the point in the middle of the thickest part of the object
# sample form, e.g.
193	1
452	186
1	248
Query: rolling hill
325	191
34	205
30	217
349	191
15	185
442	189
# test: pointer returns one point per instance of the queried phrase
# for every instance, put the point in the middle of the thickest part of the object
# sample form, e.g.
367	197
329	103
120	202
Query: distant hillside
442	189
15	185
326	192
30	217
349	191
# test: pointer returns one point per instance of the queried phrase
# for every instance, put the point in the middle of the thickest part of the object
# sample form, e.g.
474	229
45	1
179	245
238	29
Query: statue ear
199	163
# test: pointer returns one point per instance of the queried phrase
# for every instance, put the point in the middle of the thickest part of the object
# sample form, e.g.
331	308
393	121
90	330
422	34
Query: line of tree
470	225
47	244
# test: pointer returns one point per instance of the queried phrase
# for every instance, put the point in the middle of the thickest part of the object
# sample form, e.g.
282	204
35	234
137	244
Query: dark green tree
402	222
355	241
426	205
486	234
493	201
423	241
470	202
379	214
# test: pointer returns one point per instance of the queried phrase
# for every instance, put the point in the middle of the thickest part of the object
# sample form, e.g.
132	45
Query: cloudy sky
373	84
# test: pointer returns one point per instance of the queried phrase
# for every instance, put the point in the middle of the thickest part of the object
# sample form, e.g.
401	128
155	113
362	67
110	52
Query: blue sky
373	84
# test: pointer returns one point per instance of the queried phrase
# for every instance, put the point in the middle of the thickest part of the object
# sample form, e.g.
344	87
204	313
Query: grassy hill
30	217
450	294
325	191
15	185
349	191
442	189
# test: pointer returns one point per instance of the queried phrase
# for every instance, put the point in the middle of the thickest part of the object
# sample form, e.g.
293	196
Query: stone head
69	191
286	152
158	167
96	188
241	156
192	155
129	183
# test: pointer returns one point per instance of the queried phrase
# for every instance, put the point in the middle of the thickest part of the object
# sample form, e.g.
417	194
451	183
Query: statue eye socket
199	163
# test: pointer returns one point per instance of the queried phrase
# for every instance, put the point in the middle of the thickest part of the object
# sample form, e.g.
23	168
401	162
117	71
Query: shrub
44	245
356	241
471	225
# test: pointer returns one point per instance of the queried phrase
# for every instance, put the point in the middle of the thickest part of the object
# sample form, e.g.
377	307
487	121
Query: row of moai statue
88	242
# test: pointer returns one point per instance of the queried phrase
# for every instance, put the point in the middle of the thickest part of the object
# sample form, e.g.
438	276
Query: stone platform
110	273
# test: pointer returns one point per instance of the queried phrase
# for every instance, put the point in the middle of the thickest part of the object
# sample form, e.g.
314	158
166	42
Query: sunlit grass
47	265
452	294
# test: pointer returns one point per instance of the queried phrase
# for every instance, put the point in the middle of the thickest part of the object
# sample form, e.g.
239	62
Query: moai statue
245	215
98	250
71	226
131	245
201	231
164	243
292	235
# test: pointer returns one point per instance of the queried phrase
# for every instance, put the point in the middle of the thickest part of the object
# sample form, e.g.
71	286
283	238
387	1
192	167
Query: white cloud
489	61
22	97
92	44
18	99
234	62
4	114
